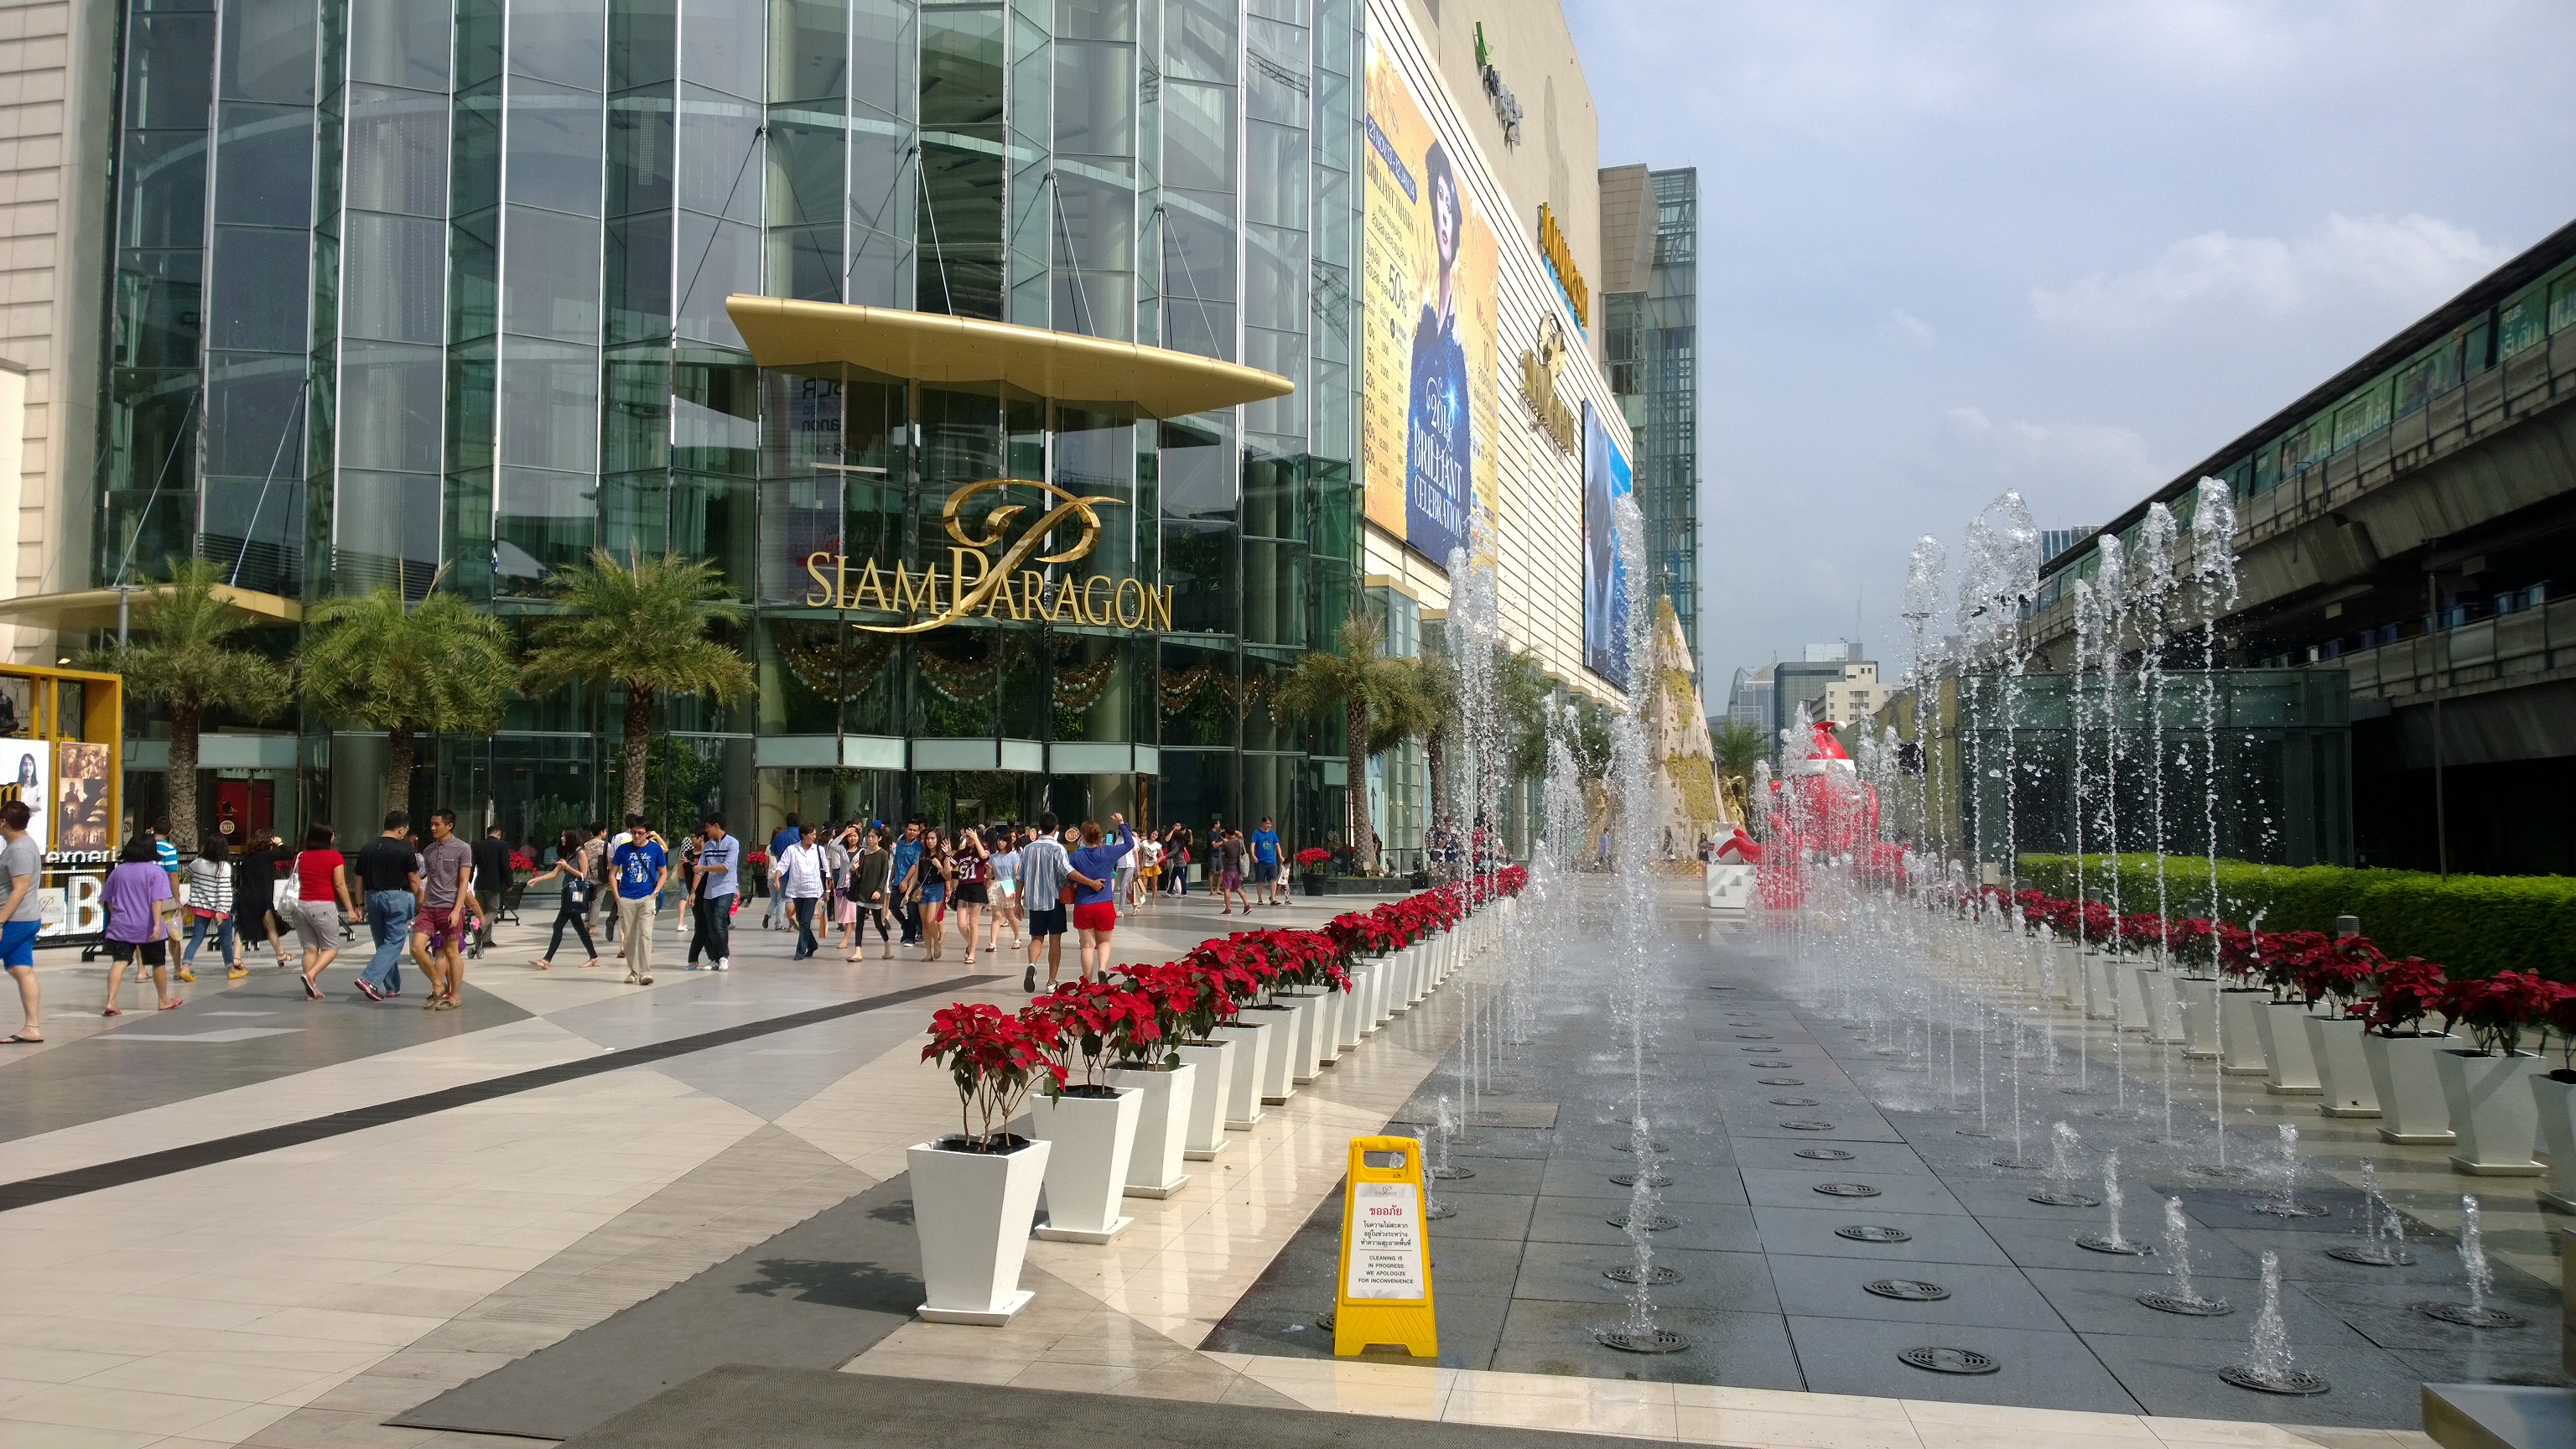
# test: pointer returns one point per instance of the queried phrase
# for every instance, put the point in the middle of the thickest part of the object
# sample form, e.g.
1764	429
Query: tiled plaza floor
304	1296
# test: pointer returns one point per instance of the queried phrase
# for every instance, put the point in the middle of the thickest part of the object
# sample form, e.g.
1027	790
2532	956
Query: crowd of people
432	897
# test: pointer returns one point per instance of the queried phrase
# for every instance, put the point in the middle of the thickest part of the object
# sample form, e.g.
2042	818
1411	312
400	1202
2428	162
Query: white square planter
2495	1115
2033	956
1214	1062
2240	1011
2163	1019
1351	1013
1381	1005
2555	1101
2197	996
2343	1076
2408	1085
1255	1041
2100	1001
2133	993
1162	1127
2285	1050
971	1211
1328	1027
1086	1171
2066	968
1305	1053
1278	1055
1363	1012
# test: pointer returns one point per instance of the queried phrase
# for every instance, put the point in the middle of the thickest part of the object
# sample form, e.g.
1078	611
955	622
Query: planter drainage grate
1825	1154
1908	1290
2193	1307
2020	1164
1801	1124
2096	1243
2294	1382
2374	1256
1450	1174
1950	1360
1631	1147
1627	1273
1656	1224
2285	1208
2064	1199
1752	1036
1779	1081
2467	1316
1653	1340
1629	1179
1795	1102
1874	1233
1846	1189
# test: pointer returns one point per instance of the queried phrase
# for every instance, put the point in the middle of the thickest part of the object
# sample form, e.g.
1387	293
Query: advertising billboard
26	774
1429	396
1606	479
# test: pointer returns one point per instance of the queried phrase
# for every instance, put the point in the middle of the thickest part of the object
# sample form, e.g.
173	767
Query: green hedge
2474	925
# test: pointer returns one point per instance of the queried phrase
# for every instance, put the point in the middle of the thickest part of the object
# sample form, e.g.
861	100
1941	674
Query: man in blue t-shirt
641	866
907	854
713	891
1265	864
788	834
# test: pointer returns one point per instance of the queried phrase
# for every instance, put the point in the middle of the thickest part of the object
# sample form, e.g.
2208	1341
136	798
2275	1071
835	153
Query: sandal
113	1011
311	991
20	1038
172	1005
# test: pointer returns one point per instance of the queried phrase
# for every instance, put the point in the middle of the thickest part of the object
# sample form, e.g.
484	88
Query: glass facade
409	291
1650	340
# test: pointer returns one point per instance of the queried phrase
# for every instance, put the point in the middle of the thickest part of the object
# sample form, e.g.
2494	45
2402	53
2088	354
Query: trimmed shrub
2475	925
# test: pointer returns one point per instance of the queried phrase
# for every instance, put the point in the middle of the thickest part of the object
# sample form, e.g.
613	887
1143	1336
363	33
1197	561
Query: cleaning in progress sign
1385	1300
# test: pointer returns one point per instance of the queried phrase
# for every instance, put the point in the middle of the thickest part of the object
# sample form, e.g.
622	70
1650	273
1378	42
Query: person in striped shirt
210	906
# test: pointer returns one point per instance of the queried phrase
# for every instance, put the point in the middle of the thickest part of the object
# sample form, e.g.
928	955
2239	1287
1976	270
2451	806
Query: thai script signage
986	572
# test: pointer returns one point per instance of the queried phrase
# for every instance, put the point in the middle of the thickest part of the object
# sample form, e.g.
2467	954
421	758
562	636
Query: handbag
1065	895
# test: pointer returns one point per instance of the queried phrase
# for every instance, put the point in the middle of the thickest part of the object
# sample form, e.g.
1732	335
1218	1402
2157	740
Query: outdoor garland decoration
828	659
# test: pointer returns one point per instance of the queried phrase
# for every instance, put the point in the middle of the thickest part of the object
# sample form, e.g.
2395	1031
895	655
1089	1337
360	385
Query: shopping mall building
1044	376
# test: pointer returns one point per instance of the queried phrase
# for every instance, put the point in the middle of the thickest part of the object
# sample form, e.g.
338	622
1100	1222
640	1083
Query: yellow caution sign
1385	1293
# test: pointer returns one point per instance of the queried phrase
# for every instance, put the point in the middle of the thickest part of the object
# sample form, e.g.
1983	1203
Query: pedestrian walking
787	834
255	896
971	892
1095	907
446	904
1227	848
1149	870
801	874
389	883
492	882
715	886
322	902
573	909
1266	862
136	895
210	907
1007	903
869	880
1043	868
930	882
642	868
838	857
907	863
22	916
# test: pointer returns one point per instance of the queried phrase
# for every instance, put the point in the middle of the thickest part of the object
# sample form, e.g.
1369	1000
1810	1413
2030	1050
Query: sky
1949	249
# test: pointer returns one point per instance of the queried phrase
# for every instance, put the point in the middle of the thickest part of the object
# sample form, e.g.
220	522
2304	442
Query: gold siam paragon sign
1550	413
985	575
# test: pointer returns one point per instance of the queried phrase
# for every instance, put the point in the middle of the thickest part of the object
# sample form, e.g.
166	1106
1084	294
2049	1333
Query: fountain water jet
2271	1369
2184	1299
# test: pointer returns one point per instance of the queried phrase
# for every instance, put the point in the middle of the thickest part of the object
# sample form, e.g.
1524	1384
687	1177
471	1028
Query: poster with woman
82	819
26	772
1429	398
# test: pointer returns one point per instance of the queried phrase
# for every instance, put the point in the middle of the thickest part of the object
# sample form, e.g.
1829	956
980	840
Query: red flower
1099	1021
994	1059
2407	991
2499	1008
1313	855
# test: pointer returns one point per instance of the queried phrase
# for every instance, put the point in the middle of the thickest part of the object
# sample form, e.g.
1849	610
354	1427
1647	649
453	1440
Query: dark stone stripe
58	1185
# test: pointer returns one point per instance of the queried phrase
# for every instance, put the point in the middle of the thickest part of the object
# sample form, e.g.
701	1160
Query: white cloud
2055	465
2415	259
1913	326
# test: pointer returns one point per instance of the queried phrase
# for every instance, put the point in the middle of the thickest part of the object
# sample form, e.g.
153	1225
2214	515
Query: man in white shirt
801	873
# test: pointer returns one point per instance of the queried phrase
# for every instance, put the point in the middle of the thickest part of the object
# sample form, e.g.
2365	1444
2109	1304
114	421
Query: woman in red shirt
322	902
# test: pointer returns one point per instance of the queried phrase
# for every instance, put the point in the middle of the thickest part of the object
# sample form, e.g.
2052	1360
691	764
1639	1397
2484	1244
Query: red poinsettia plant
2339	970
995	1059
1239	972
2562	1020
2500	1008
2193	941
2402	995
1097	1023
1313	857
1363	933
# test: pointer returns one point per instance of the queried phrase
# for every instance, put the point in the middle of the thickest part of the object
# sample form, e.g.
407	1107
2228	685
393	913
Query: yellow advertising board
1384	1294
1429	404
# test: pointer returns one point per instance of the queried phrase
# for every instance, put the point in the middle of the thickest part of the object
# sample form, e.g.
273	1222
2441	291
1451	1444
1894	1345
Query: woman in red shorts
1095	913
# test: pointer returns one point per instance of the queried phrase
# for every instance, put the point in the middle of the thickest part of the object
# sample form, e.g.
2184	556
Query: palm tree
191	664
641	626
1739	747
1382	704
440	666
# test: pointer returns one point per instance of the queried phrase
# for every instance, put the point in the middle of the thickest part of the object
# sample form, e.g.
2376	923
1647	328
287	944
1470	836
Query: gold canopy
96	608
934	347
